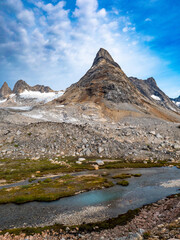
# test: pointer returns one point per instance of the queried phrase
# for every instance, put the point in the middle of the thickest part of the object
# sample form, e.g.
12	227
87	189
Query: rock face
5	91
107	87
21	85
150	89
176	101
41	88
105	81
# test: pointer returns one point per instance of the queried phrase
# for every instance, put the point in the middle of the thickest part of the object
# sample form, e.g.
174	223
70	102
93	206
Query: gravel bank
160	220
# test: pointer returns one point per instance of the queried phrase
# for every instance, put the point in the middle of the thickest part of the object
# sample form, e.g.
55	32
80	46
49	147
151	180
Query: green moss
31	179
137	175
52	189
25	186
123	183
146	235
47	180
122	176
25	168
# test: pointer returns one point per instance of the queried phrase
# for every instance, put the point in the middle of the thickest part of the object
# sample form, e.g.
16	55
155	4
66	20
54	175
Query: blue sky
54	42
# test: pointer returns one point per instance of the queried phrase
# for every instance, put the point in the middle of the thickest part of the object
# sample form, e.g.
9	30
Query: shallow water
155	184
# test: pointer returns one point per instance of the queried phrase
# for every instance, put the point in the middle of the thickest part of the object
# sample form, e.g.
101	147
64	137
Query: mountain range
23	93
106	87
106	113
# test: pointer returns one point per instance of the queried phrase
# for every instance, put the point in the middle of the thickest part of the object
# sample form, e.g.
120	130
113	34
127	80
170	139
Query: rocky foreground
160	220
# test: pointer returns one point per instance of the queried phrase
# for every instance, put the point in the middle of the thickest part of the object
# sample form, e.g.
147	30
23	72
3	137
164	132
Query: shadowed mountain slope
150	89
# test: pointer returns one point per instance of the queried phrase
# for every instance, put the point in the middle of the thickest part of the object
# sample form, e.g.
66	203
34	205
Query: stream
97	205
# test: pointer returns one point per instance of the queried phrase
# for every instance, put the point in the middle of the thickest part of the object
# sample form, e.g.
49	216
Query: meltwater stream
153	185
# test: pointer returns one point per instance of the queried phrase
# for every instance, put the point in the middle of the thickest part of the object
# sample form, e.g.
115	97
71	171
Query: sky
55	42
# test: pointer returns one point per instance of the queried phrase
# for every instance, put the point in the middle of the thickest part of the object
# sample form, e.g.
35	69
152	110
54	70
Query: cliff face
5	91
150	89
176	101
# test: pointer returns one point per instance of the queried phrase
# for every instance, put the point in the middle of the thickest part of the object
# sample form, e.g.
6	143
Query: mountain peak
151	81
104	54
20	86
4	85
5	90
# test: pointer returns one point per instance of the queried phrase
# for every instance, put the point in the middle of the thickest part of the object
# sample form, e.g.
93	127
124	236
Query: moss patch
50	190
122	176
123	183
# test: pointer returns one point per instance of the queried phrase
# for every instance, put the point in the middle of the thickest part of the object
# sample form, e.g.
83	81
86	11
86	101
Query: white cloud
57	50
102	12
148	20
85	8
26	17
16	5
127	29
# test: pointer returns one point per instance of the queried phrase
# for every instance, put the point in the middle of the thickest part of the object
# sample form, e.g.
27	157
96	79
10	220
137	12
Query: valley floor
31	149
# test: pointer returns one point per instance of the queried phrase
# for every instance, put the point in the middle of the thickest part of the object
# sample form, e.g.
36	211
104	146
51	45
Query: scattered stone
100	162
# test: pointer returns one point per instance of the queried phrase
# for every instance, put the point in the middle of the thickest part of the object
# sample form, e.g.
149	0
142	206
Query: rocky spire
5	91
151	81
104	55
20	86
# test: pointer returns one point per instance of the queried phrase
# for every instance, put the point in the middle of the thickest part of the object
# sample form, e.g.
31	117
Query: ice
41	97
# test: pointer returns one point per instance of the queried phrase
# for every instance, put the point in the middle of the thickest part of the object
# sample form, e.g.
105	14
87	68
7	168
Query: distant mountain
23	94
176	101
114	94
5	91
150	89
21	85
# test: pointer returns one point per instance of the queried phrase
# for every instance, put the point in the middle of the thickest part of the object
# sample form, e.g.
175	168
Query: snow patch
41	97
12	95
2	101
178	104
156	97
60	106
23	108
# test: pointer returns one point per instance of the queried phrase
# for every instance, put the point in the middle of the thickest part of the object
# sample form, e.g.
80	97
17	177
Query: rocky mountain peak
151	81
20	86
103	54
5	91
104	83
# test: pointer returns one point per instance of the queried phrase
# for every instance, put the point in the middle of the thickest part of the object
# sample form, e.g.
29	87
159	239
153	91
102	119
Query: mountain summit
103	55
104	82
20	86
5	91
107	88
